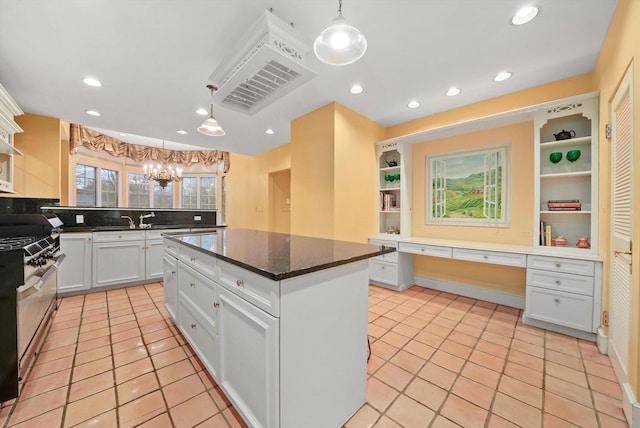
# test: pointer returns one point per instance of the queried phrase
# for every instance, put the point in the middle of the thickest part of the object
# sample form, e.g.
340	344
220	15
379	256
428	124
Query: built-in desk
563	286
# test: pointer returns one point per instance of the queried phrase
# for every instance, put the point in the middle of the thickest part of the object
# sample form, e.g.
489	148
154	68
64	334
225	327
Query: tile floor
115	359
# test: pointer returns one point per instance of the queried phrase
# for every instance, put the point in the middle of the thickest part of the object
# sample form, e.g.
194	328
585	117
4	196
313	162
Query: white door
622	173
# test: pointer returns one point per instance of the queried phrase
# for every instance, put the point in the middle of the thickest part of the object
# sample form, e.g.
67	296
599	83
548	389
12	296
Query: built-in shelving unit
558	178
8	127
394	188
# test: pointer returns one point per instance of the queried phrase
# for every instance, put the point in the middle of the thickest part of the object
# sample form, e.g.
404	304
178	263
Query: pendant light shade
340	43
211	126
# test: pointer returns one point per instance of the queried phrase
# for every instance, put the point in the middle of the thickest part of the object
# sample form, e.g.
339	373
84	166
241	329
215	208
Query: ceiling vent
268	64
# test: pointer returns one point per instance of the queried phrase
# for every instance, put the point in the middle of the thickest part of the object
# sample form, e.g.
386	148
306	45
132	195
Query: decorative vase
583	242
555	157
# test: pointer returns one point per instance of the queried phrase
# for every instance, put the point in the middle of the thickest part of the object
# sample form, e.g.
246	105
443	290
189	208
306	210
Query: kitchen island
280	321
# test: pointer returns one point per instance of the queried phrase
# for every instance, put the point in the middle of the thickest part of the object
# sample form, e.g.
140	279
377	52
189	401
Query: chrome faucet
132	225
144	225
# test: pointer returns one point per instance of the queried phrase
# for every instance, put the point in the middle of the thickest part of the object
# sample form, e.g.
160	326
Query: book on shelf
545	234
388	202
564	205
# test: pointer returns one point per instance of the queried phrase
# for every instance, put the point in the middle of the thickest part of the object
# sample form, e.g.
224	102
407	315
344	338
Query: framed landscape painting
469	187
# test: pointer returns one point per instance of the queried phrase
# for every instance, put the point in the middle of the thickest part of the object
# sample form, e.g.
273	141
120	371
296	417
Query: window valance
82	136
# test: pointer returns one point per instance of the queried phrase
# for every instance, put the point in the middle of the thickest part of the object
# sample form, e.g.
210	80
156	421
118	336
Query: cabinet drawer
200	336
426	250
157	233
122	235
560	281
252	287
493	257
389	257
170	248
383	271
567	309
556	264
201	292
203	263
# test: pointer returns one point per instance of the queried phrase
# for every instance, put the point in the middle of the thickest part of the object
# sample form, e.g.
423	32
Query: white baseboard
499	297
400	287
630	406
602	340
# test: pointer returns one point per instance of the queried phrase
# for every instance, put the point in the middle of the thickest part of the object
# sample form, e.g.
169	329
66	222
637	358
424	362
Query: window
199	192
109	188
86	186
138	191
162	198
469	187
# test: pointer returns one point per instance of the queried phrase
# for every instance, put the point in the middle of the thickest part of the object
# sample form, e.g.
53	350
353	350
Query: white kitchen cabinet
154	266
563	294
74	273
8	127
391	270
118	258
249	359
170	284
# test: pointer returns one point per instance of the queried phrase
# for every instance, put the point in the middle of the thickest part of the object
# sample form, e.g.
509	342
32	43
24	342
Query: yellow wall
619	50
37	173
248	187
312	173
280	201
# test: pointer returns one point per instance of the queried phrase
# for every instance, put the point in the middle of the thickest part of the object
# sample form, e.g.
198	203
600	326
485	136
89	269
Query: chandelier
162	174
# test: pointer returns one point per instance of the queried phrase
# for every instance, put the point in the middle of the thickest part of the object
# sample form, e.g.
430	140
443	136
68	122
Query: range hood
266	65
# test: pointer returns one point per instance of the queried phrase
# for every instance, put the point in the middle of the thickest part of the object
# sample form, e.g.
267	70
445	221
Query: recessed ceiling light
356	89
413	104
524	15
92	82
451	92
92	113
181	132
503	75
270	131
202	112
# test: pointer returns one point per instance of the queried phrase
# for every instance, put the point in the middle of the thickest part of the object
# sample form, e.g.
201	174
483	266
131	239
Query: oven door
35	303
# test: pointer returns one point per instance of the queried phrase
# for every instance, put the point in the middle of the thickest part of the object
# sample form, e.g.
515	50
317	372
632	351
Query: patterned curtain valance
81	136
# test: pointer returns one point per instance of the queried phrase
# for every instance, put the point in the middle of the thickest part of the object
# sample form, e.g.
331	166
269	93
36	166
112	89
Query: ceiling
154	58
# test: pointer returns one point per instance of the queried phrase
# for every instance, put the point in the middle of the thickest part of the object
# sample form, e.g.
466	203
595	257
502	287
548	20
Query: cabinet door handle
193	326
556	300
382	267
239	283
193	259
557	282
558	265
216	304
422	249
173	272
486	257
192	284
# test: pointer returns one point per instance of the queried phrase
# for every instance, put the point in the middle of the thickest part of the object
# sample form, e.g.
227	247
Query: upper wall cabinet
394	188
8	127
566	178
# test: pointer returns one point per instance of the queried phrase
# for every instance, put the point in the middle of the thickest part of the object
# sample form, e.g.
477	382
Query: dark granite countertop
126	228
277	256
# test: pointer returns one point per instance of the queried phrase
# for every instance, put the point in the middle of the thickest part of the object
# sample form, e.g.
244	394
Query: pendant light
211	126
341	43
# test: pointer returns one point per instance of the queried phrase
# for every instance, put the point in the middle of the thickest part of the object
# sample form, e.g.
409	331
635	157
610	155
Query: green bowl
555	157
573	155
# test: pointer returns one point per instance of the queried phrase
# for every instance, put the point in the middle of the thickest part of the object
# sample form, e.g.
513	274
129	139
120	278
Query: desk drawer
557	264
254	288
200	291
426	250
389	257
567	309
383	272
492	257
560	281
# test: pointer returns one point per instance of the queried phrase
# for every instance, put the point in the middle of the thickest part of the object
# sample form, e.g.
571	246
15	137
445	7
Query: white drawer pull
239	283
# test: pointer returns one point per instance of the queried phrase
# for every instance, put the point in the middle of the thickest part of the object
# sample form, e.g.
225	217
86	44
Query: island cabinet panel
256	289
170	284
249	359
198	260
200	335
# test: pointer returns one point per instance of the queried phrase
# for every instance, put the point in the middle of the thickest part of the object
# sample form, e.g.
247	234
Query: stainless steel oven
29	257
